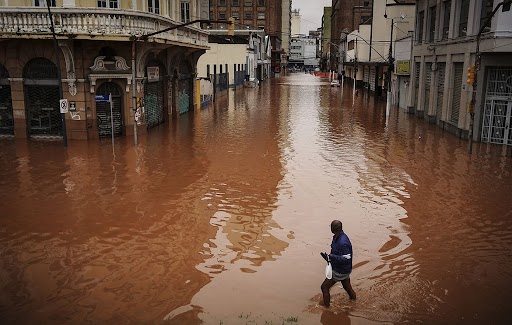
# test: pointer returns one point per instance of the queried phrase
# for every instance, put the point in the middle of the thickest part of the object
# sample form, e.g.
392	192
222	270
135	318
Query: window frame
447	7
154	6
108	4
42	3
431	31
185	11
420	24
463	20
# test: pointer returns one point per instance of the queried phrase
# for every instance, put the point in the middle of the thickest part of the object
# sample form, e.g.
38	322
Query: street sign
63	104
72	106
402	67
153	74
102	98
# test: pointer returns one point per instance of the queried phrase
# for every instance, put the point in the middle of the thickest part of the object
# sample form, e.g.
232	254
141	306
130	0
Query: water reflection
219	216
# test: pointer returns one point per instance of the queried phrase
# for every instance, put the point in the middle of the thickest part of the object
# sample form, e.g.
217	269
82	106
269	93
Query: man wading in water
341	262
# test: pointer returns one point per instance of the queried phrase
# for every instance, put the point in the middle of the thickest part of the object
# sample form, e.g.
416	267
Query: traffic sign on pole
63	104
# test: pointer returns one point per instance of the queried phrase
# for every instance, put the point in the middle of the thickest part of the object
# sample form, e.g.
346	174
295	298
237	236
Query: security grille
372	78
416	82
428	80
497	118
6	116
154	103
103	116
457	90
441	72
43	110
366	77
42	98
183	95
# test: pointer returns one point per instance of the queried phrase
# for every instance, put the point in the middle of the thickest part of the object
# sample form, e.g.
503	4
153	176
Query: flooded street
219	217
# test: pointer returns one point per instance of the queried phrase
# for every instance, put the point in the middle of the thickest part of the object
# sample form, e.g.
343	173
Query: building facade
95	50
445	47
253	15
286	30
366	51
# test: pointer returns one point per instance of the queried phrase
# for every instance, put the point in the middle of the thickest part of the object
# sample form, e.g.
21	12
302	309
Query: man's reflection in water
330	318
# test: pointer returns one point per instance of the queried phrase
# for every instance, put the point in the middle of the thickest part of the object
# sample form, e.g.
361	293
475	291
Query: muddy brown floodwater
219	218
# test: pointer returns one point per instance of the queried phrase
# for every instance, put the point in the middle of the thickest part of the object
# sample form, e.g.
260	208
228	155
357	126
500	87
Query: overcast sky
311	12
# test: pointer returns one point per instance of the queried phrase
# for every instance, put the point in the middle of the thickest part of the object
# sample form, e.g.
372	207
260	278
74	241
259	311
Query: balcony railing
94	22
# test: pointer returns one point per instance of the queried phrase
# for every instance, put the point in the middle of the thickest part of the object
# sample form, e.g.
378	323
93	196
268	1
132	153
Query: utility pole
59	77
390	65
471	108
134	40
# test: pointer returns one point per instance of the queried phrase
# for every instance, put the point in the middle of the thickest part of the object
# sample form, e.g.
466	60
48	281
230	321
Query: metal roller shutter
457	90
441	72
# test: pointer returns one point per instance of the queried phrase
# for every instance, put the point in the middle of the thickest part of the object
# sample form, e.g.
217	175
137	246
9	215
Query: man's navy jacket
341	254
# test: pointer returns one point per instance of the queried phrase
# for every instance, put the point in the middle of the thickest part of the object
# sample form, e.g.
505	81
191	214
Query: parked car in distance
335	83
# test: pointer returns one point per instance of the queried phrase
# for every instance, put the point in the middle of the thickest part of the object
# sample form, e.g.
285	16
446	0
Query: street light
145	37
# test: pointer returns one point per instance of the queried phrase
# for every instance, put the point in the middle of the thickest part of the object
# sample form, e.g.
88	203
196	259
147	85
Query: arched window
40	68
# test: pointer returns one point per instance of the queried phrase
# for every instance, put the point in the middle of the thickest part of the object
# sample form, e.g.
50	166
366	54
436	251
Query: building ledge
95	23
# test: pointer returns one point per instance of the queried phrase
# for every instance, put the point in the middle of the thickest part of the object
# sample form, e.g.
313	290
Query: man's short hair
336	225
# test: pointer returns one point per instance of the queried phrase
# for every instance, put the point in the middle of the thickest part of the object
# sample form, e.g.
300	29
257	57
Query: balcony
96	23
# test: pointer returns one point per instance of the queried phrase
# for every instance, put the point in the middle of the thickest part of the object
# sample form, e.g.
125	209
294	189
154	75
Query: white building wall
222	54
296	21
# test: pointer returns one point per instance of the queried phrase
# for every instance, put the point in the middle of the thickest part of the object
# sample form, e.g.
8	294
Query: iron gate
103	116
441	72
42	98
154	103
497	117
184	92
185	86
6	117
458	69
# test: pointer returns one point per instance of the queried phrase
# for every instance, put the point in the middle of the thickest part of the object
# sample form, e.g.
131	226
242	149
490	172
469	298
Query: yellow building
94	45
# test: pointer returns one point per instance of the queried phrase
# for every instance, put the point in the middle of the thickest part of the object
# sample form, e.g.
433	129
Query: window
235	2
261	27
421	18
42	3
248	15
222	16
432	24
234	14
185	11
261	3
107	4
447	8
154	6
366	3
248	3
463	23
261	15
366	20
222	2
487	7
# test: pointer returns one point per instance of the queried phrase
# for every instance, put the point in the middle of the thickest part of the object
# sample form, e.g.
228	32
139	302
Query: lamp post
145	37
59	77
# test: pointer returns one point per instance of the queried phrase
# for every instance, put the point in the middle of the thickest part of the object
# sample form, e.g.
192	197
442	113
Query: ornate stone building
94	52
